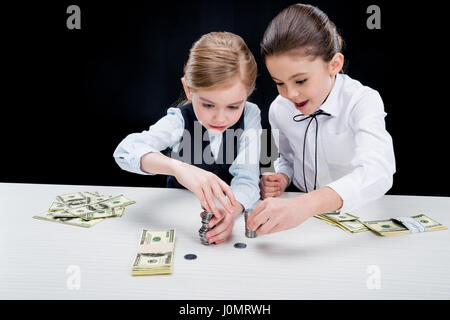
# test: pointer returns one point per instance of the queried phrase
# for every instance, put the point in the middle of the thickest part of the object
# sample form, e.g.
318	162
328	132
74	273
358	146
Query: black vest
198	152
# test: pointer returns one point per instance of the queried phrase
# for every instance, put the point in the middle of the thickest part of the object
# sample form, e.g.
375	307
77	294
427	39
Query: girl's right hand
205	185
273	184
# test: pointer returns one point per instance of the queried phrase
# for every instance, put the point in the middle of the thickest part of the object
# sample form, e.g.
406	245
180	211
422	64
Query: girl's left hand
223	227
275	214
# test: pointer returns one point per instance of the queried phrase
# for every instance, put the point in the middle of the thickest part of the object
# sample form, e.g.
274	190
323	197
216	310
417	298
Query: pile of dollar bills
84	209
155	253
388	227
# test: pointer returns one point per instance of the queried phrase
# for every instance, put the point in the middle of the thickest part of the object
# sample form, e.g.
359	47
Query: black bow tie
312	116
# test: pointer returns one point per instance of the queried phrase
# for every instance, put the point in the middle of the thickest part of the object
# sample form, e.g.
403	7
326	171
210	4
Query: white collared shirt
355	155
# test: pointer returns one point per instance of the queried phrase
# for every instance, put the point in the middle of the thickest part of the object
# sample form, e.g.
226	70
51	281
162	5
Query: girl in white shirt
211	137
329	128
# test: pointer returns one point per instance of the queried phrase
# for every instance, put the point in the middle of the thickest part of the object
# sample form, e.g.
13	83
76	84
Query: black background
70	96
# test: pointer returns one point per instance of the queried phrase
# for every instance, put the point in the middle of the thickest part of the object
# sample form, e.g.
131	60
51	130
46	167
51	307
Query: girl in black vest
213	137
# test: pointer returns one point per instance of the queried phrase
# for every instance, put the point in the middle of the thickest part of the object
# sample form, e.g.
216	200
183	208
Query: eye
233	107
300	81
207	105
279	84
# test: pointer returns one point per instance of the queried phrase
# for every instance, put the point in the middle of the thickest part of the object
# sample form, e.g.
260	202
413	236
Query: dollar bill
345	221
155	253
75	200
87	210
394	227
74	221
93	206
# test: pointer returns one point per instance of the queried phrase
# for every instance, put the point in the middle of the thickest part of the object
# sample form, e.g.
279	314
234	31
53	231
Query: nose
292	93
220	116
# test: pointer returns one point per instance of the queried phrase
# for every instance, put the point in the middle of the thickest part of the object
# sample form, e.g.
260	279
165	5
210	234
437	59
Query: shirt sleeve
285	160
374	156
165	133
245	167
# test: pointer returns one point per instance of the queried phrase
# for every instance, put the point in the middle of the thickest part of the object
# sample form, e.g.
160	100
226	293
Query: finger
276	228
220	237
214	221
271	194
218	192
210	201
273	177
227	189
272	189
256	217
219	228
265	227
271	184
219	242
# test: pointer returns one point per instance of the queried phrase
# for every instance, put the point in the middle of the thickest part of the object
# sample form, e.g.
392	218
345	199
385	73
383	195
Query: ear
336	64
186	89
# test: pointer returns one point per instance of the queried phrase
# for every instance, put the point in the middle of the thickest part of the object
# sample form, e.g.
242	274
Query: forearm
321	200
157	163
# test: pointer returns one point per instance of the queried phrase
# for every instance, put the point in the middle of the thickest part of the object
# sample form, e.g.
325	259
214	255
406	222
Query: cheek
234	117
202	115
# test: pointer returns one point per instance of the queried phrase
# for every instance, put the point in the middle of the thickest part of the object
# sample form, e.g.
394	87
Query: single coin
190	256
240	245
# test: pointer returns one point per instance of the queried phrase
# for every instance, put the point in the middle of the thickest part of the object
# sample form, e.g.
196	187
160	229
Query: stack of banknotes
84	209
388	227
155	253
345	221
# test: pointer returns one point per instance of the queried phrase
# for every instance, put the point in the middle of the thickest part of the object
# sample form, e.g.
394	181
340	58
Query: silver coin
240	245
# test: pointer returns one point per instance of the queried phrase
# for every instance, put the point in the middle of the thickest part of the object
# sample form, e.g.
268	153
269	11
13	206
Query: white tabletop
313	261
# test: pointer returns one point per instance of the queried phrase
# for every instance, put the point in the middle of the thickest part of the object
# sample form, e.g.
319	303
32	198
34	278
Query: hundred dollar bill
75	200
393	227
345	221
155	253
114	202
74	221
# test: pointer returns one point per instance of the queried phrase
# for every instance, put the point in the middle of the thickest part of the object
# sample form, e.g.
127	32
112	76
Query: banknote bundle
388	227
84	209
345	221
402	225
155	253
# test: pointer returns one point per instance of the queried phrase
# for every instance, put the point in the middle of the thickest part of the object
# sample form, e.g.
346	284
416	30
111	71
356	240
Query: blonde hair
216	59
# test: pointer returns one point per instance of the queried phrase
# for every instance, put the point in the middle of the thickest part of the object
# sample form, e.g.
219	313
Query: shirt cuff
247	199
135	161
289	172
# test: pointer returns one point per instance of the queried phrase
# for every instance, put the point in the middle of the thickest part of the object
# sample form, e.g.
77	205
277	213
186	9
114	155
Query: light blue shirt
168	132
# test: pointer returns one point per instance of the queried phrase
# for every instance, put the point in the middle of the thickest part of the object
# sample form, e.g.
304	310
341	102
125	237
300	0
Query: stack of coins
206	217
248	233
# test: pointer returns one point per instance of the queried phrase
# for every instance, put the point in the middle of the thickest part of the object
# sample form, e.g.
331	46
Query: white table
312	261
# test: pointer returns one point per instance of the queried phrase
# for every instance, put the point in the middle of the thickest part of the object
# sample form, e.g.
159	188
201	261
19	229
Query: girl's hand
273	184
275	214
223	226
205	185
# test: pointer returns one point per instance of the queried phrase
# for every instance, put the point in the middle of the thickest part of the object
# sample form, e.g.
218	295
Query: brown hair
302	27
218	57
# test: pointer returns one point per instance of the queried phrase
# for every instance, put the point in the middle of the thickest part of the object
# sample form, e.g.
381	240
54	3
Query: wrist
286	180
321	200
175	166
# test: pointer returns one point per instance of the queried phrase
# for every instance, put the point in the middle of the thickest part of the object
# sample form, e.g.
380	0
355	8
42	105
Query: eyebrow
293	76
229	104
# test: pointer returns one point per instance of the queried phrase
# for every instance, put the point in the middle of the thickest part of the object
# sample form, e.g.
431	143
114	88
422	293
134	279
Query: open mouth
217	127
301	105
